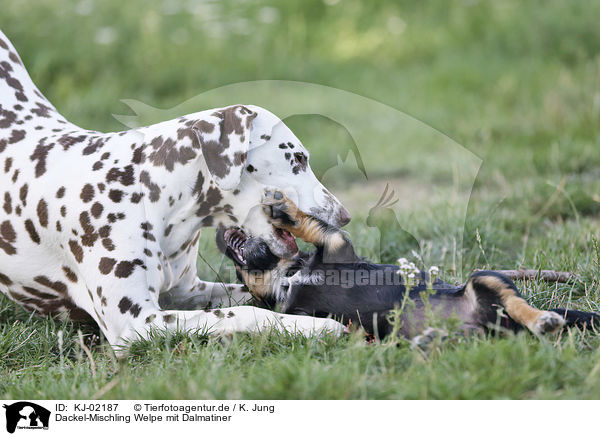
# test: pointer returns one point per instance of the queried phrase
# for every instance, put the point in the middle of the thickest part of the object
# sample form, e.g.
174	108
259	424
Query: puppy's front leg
284	214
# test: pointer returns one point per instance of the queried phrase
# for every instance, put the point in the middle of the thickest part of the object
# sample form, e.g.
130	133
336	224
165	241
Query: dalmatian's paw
428	338
280	210
309	326
548	323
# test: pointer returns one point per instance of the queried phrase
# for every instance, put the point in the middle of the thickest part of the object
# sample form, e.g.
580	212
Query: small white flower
402	261
433	273
411	276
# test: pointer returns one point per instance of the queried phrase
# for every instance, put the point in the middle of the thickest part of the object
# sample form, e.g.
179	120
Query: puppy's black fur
333	280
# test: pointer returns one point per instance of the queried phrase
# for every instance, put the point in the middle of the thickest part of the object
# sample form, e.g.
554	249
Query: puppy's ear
224	137
338	249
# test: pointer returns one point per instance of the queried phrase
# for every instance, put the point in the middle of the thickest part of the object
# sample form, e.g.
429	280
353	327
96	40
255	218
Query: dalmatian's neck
179	193
149	156
18	94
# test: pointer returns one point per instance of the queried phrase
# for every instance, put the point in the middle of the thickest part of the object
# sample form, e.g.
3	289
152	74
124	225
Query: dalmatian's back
106	225
70	193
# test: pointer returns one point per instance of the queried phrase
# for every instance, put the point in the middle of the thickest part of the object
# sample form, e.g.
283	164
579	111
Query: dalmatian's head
248	149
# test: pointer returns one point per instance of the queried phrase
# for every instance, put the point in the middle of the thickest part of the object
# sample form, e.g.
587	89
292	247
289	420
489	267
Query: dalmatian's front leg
189	292
226	294
203	294
248	319
127	309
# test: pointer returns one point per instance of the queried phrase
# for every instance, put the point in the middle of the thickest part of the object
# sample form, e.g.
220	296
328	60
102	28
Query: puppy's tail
577	318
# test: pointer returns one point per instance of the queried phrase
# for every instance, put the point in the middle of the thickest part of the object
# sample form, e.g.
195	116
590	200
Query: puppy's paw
547	323
428	338
280	210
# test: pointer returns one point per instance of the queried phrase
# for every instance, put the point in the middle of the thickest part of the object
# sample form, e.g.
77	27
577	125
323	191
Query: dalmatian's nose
343	217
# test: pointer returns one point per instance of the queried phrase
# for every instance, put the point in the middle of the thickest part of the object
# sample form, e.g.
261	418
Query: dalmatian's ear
225	137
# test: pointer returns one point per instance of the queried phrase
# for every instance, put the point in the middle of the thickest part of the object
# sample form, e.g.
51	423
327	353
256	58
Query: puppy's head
255	264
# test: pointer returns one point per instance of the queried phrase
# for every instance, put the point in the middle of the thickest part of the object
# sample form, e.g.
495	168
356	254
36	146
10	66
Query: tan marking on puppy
307	229
262	284
312	231
258	282
334	241
469	300
304	226
537	321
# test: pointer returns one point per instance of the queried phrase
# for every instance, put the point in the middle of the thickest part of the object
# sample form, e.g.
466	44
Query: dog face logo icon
26	415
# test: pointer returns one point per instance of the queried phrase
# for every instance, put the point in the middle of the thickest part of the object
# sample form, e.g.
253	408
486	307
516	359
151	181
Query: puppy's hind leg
538	321
428	338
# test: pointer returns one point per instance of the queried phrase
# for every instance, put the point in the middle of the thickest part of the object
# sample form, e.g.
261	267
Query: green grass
516	84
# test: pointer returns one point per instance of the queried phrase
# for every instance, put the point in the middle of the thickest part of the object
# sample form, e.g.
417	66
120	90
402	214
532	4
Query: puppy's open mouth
287	238
235	240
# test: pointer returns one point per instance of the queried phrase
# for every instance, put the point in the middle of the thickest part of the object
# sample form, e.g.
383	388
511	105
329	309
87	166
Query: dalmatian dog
106	225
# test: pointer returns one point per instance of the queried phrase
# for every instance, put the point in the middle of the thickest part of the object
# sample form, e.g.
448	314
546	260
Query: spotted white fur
106	225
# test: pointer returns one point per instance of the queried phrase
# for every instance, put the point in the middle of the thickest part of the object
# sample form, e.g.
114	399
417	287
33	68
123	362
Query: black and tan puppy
334	281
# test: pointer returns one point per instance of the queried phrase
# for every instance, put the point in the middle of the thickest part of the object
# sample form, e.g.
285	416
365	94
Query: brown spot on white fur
119	179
